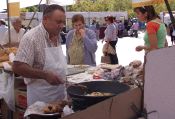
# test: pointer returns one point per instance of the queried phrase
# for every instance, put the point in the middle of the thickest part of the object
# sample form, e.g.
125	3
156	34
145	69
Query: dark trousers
173	39
120	33
135	33
114	58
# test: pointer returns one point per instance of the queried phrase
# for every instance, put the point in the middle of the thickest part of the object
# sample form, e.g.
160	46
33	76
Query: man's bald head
17	23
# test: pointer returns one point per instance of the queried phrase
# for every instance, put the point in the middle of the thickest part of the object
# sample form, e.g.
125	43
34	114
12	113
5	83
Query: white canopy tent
28	3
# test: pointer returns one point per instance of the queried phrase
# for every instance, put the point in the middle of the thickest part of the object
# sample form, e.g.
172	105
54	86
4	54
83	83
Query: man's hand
82	32
27	71
139	48
53	79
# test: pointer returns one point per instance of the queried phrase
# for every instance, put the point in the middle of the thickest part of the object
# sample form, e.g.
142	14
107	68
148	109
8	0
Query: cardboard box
19	83
118	107
18	114
21	98
7	114
4	109
159	86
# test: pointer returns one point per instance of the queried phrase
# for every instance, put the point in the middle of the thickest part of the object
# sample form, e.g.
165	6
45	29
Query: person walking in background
97	30
121	28
129	24
155	36
111	38
81	43
171	33
93	26
135	28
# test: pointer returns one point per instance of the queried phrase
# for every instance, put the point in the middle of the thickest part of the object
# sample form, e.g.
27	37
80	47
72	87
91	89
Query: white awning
28	3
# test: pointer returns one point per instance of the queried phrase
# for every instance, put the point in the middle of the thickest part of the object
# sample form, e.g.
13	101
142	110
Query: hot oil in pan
90	93
81	101
99	94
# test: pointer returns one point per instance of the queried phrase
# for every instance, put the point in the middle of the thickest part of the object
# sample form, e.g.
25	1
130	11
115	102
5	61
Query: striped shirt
32	48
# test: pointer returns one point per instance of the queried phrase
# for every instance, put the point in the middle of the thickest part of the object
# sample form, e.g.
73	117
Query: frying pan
45	116
81	101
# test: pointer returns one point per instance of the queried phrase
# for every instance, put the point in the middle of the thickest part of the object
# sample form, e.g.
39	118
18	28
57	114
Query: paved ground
125	49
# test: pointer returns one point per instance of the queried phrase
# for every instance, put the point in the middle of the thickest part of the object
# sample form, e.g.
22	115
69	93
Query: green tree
93	6
102	5
105	5
29	9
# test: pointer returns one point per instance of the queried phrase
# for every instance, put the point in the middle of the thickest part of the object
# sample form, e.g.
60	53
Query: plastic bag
7	89
107	48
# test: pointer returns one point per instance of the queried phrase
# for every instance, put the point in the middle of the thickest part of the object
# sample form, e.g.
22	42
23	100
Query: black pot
48	116
81	101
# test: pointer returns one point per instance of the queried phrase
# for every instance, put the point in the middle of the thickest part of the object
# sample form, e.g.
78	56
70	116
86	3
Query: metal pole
66	18
169	11
8	19
32	17
47	2
163	17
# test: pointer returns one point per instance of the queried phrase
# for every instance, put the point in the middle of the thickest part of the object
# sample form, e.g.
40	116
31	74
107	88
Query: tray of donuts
41	110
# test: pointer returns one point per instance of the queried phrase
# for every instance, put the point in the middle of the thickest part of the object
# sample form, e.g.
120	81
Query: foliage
29	9
105	5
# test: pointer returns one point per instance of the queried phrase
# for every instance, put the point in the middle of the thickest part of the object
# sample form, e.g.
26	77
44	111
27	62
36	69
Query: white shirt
111	33
3	29
116	25
15	37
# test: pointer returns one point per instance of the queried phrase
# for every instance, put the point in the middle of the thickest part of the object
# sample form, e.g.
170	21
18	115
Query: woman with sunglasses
155	35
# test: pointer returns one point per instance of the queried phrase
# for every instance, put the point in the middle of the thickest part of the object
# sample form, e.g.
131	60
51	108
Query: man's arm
24	61
27	71
90	41
11	45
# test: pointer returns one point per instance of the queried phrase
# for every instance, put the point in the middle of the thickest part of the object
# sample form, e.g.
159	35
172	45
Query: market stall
88	86
113	90
8	82
105	91
158	102
104	82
